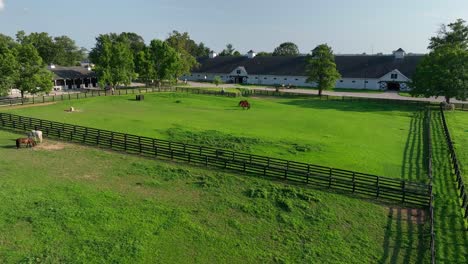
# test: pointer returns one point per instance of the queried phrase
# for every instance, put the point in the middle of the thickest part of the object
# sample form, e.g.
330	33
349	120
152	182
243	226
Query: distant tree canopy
455	33
229	51
264	54
321	68
286	49
444	71
60	50
113	57
8	67
182	41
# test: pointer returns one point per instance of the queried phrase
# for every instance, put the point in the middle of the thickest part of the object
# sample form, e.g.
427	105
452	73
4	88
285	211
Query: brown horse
28	141
244	104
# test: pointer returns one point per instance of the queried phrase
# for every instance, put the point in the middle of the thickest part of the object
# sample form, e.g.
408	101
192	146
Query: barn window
285	79
297	79
394	76
256	77
264	78
274	78
238	71
366	81
354	81
341	80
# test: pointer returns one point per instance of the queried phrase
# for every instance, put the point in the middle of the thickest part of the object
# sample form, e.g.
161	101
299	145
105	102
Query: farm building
73	77
376	72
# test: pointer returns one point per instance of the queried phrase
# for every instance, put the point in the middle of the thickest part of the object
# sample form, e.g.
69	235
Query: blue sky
349	26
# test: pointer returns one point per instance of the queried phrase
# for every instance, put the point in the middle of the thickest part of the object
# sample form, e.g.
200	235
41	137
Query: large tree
136	42
143	66
455	33
165	62
443	72
182	41
8	68
114	60
32	75
286	49
321	68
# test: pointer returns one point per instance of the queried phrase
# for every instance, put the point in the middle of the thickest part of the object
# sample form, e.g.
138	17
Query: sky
348	26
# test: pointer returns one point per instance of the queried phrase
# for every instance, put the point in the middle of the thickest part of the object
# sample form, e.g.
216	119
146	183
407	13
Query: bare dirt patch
412	215
51	146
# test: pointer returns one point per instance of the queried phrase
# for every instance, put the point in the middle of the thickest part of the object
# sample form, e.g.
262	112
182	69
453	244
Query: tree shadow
450	228
362	105
405	240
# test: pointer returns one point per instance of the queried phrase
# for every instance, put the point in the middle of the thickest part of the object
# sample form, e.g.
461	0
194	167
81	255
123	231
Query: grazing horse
244	104
36	135
28	141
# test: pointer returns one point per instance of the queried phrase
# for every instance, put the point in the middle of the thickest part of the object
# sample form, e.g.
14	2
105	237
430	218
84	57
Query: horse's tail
17	143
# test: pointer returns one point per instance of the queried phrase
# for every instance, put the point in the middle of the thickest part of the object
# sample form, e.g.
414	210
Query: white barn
374	72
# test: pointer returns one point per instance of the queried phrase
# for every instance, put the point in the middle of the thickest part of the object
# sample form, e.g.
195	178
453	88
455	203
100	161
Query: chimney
399	54
213	55
251	54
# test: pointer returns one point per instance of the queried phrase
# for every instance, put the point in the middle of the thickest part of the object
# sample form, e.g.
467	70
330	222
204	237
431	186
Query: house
375	72
76	77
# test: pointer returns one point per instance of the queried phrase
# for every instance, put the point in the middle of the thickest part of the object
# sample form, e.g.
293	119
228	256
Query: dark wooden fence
456	166
367	185
94	93
430	175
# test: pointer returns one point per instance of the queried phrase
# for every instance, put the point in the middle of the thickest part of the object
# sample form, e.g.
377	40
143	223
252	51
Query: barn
374	72
77	77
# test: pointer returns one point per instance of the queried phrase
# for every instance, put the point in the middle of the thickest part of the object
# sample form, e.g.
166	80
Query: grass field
350	90
369	137
458	125
64	203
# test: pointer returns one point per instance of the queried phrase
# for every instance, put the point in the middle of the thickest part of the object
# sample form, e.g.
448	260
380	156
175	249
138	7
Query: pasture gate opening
366	185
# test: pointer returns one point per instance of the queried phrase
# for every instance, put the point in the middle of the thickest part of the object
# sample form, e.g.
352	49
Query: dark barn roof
350	66
72	73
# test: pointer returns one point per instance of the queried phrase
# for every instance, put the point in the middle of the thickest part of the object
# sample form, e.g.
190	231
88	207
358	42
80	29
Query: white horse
35	134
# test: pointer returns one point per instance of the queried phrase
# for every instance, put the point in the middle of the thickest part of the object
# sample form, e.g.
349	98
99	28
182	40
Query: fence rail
370	186
456	166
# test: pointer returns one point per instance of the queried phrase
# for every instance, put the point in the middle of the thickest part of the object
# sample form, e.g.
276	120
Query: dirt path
26	105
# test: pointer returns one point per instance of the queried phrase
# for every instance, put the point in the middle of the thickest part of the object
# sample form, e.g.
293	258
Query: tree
165	61
60	50
455	33
182	41
67	53
264	54
321	68
32	74
8	68
114	60
443	72
286	49
228	51
136	42
217	80
143	66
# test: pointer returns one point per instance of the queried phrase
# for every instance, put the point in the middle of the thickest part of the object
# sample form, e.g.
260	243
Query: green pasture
64	203
458	125
370	137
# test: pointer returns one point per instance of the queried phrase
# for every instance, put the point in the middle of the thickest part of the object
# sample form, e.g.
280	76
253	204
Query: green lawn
458	125
64	203
450	227
376	138
351	90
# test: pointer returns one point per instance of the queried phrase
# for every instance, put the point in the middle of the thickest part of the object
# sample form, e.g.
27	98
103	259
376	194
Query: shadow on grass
353	106
413	155
450	228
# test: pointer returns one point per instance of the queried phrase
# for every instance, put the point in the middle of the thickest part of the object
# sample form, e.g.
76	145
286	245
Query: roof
350	66
400	50
76	72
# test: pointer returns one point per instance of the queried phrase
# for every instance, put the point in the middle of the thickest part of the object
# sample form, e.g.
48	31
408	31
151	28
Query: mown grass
450	227
458	125
370	137
74	204
351	90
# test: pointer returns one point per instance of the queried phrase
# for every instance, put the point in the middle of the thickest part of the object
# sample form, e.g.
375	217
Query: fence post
404	191
378	186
